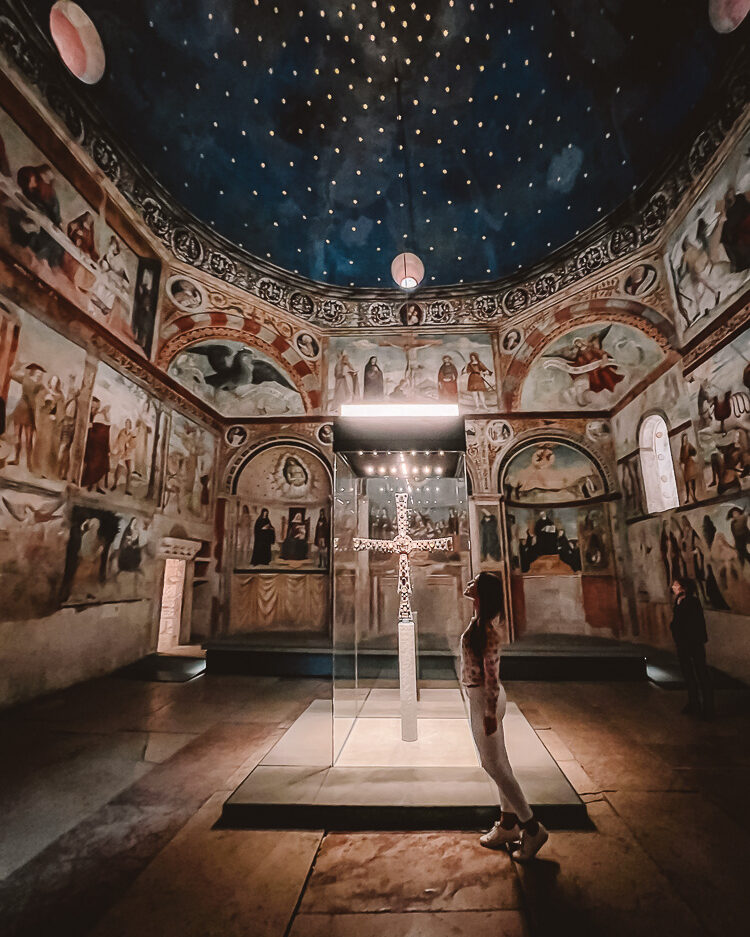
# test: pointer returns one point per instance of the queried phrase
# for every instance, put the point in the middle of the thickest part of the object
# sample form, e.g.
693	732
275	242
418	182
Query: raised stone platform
378	781
541	657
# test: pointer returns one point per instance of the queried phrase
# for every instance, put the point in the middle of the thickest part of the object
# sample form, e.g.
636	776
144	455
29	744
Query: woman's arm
491	668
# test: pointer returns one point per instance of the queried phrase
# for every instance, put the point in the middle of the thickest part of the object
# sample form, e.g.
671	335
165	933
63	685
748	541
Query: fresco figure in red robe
589	351
447	380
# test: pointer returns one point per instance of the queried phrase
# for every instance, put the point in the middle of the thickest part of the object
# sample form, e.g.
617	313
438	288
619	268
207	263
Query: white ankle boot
498	837
530	845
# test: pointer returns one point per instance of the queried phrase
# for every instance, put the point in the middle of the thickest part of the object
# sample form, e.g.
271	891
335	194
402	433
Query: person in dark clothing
264	538
690	638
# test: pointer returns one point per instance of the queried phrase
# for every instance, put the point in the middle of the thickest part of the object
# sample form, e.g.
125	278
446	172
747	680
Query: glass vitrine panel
366	598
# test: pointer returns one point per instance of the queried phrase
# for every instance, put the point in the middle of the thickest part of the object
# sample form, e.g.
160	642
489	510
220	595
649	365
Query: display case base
378	781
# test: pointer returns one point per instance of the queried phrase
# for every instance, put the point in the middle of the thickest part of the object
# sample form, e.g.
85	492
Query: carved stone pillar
177	592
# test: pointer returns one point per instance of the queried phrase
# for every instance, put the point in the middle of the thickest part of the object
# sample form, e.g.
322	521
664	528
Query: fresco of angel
589	365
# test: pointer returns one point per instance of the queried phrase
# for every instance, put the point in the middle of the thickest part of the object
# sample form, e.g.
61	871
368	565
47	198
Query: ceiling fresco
316	136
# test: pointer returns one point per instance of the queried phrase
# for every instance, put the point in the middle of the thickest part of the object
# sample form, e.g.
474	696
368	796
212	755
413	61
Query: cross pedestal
403	544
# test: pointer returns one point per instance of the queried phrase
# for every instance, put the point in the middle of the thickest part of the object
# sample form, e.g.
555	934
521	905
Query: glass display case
372	662
388	744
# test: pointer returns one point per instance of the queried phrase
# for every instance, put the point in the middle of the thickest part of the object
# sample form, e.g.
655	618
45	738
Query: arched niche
555	495
240	376
550	469
278	545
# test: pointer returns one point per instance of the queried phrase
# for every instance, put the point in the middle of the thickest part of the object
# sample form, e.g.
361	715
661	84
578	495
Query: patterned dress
484	671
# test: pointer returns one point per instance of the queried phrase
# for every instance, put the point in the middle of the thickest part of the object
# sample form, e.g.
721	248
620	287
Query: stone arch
554	434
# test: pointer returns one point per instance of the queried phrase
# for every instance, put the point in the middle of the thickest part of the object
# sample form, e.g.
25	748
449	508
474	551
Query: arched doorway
557	526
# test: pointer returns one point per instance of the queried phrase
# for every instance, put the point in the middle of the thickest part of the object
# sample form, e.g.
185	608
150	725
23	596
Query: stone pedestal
407	672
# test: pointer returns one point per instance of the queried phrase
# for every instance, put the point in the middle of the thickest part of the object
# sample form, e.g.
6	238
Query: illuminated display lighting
399	410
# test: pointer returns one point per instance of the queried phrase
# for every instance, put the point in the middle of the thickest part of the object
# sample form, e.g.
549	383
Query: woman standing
690	637
480	675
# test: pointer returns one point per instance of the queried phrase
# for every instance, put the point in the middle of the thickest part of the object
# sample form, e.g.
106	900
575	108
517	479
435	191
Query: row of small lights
447	89
402	468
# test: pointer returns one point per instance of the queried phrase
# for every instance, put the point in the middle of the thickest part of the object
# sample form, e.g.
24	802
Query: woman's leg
494	756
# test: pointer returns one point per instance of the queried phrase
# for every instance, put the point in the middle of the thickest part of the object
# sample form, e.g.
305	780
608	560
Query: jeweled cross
403	544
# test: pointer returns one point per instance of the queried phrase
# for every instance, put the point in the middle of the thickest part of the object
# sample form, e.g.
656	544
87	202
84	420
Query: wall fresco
55	233
551	471
109	557
709	544
41	379
708	255
33	538
118	455
412	368
284	516
590	367
236	380
719	393
189	475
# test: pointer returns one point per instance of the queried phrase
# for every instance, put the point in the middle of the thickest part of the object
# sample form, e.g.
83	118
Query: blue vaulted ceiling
326	137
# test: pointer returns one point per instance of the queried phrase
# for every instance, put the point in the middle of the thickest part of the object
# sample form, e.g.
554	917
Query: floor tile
215	883
686	836
409	872
601	883
40	807
413	924
162	745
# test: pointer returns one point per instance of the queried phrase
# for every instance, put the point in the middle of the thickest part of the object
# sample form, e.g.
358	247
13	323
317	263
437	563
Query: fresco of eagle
233	370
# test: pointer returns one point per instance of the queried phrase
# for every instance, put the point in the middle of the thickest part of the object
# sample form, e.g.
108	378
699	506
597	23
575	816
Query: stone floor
109	792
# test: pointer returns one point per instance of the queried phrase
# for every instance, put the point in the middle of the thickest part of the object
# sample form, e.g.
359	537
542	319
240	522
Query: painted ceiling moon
591	367
236	380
